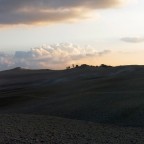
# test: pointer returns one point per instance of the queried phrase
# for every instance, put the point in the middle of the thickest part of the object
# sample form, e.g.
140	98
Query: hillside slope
110	95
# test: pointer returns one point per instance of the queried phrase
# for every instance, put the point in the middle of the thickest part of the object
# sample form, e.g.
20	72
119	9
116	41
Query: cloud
133	39
49	11
56	56
6	61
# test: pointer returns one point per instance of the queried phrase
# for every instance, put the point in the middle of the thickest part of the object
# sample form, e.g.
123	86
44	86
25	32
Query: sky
57	33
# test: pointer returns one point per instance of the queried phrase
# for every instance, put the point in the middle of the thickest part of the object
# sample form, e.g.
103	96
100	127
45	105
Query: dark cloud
49	11
50	56
133	39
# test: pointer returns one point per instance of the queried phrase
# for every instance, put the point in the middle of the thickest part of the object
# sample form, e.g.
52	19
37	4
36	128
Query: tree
73	65
68	67
103	65
77	66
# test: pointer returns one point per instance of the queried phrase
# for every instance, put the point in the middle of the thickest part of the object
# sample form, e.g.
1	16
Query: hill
112	96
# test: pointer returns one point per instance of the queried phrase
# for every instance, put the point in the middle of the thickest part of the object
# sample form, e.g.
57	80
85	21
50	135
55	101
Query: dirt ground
36	129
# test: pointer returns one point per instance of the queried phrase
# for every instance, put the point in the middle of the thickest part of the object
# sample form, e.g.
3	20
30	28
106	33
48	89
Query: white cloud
54	56
6	61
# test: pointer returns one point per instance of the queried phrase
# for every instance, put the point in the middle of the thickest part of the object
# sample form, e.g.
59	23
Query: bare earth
85	105
27	129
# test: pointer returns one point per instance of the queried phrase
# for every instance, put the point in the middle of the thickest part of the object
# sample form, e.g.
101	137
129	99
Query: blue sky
118	29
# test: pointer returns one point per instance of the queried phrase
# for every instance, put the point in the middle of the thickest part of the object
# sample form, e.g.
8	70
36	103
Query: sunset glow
55	34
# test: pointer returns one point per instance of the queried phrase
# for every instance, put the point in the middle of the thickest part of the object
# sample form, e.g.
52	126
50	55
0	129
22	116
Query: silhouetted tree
103	65
84	65
73	65
68	67
77	66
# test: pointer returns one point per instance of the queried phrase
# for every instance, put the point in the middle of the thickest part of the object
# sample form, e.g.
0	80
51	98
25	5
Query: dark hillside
99	94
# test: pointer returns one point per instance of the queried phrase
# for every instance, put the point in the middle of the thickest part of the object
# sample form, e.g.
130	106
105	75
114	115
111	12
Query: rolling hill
100	95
